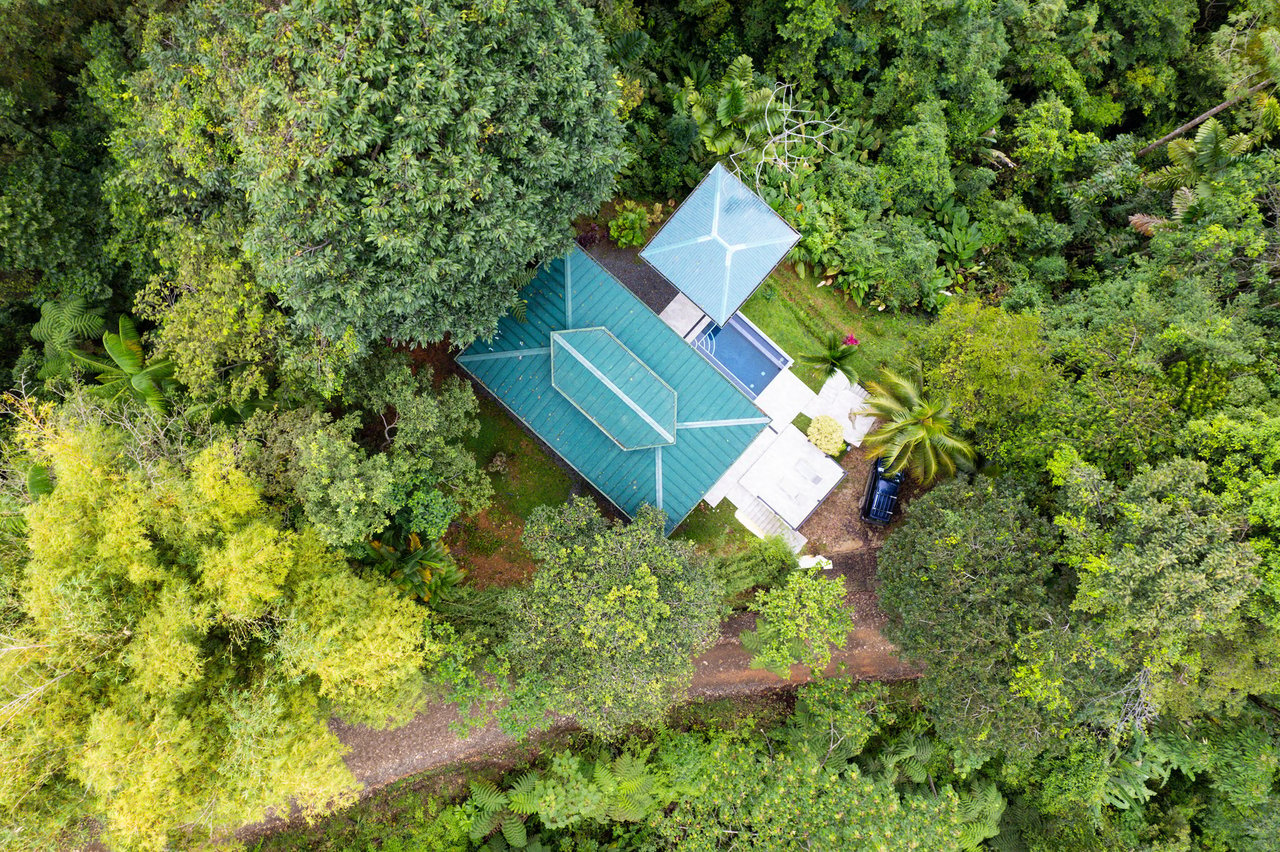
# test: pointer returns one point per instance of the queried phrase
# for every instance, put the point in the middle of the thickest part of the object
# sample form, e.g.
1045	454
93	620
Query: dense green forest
239	241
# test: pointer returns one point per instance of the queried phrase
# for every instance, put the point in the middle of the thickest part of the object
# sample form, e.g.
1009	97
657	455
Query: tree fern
487	804
522	796
1191	163
981	808
62	325
513	830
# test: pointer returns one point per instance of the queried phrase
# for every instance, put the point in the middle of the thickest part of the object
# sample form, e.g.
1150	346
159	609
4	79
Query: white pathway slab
843	401
728	486
682	315
784	398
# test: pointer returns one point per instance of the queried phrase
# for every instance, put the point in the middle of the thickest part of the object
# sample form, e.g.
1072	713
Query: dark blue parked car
881	498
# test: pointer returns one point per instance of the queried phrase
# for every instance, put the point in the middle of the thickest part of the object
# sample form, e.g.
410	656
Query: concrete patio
782	477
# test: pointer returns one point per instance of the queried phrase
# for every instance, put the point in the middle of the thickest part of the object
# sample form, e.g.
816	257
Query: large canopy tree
403	163
607	629
962	579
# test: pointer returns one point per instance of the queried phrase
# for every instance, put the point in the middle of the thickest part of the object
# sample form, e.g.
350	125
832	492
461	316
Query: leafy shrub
346	493
826	434
798	623
590	235
607	628
765	563
630	225
419	571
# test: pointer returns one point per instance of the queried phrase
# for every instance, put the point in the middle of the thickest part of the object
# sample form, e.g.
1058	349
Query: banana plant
419	571
961	242
127	371
733	115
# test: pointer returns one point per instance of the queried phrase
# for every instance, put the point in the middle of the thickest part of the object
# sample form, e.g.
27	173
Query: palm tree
916	431
835	357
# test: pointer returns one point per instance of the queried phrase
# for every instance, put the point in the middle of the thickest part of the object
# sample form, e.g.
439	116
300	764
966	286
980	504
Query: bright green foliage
916	433
607	630
346	493
765	563
174	649
992	365
360	641
630	224
1161	573
625	789
827	434
836	357
962	579
791	801
402	163
732	116
63	324
1047	146
1196	161
799	622
914	170
1242	454
419	570
129	372
417	475
216	324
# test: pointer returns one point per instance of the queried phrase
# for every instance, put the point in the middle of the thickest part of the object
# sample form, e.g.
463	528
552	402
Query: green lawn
488	545
796	314
714	530
532	477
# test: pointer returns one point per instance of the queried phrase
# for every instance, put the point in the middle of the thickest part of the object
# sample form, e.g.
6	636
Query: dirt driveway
378	758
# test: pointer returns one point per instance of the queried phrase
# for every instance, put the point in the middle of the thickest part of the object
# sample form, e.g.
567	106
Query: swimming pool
743	353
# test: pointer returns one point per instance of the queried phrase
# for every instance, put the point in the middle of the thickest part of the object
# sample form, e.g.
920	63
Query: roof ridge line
617	391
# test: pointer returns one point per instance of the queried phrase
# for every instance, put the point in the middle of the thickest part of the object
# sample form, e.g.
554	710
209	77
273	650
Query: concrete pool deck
684	317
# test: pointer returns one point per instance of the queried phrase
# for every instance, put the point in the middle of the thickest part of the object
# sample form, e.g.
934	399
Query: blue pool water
748	358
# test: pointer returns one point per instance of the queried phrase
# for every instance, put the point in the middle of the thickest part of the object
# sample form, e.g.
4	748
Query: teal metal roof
720	244
614	389
571	300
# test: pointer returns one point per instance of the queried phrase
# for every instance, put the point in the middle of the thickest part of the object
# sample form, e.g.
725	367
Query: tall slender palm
915	434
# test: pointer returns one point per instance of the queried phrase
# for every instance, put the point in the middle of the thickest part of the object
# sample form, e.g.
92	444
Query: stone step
699	329
761	521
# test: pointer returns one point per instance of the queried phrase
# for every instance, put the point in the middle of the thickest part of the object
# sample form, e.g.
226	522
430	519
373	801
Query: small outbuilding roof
720	244
623	384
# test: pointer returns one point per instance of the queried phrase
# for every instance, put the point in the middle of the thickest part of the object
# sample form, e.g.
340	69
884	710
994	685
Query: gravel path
639	277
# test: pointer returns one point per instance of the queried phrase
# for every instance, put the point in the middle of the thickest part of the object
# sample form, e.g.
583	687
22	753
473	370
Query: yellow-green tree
171	651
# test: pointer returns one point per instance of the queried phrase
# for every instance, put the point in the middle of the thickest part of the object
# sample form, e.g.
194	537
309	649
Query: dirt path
378	758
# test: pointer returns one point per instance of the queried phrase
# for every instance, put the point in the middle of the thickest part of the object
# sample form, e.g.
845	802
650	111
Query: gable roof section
714	421
721	242
613	388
